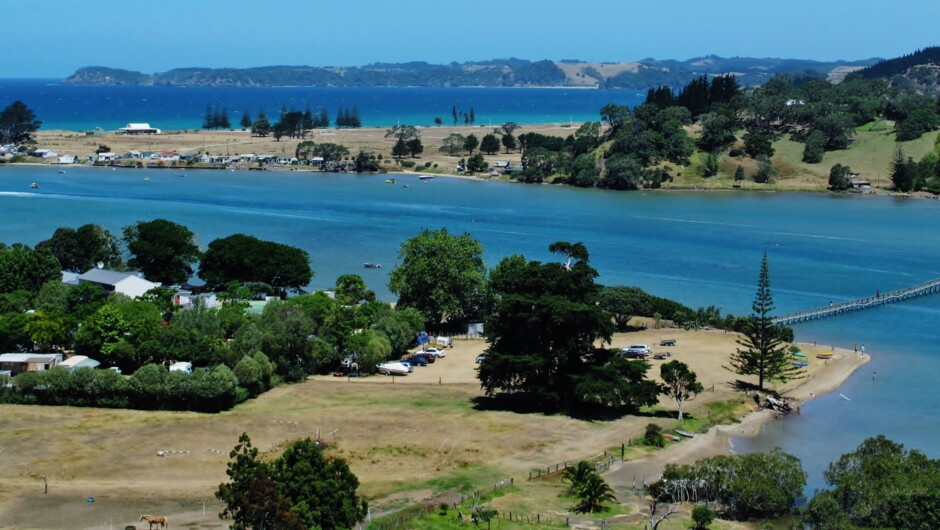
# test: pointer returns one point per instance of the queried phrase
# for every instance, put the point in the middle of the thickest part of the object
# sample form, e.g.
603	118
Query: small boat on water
426	177
370	265
34	186
687	434
389	181
62	172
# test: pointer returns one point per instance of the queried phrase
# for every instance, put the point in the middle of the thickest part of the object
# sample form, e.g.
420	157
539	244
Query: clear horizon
150	37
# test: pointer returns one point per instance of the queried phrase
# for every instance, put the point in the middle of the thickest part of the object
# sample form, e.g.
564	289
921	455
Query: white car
636	351
435	352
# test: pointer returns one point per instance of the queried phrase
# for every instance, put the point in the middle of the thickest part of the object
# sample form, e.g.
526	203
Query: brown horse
158	520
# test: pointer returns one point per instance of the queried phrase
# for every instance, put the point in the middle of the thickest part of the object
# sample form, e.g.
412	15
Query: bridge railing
861	303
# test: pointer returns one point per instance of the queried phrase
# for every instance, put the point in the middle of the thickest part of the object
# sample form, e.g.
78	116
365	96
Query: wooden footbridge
931	287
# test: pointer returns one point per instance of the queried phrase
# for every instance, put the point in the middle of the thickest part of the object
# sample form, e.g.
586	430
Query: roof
79	361
29	357
105	276
138	126
70	277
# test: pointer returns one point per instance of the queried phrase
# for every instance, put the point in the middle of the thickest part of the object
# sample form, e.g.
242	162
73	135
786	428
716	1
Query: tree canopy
441	275
79	250
879	485
764	354
163	250
18	123
541	335
302	488
244	259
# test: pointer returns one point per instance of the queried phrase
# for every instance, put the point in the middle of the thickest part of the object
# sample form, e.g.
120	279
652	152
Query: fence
601	461
402	519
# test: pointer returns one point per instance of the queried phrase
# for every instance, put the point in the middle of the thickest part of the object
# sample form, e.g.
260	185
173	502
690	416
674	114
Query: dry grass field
404	437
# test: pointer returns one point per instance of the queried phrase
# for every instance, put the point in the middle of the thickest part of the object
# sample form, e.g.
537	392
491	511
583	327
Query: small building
126	283
67	159
106	157
79	361
169	156
501	164
17	363
138	128
131	155
70	278
45	153
186	299
97	131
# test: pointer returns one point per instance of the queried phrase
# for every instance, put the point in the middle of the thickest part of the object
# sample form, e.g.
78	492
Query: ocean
82	108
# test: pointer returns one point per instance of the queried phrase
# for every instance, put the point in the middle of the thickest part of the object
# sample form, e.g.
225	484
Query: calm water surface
701	248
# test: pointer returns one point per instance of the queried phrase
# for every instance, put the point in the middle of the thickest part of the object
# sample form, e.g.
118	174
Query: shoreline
717	440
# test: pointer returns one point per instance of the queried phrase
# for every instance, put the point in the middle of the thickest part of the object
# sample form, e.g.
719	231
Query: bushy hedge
152	387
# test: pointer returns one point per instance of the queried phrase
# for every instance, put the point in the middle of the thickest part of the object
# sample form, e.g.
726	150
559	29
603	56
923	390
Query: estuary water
82	108
700	248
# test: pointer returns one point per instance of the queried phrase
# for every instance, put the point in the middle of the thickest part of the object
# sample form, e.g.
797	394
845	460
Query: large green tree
880	485
749	486
765	353
623	303
244	258
81	249
26	269
441	275
163	250
302	488
542	336
17	123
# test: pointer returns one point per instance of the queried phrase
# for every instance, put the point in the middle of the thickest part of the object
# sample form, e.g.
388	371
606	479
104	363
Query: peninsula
512	72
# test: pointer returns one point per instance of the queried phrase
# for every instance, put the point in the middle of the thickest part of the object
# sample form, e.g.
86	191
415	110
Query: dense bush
151	388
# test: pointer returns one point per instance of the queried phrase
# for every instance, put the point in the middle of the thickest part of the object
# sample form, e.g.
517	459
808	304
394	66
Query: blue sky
52	38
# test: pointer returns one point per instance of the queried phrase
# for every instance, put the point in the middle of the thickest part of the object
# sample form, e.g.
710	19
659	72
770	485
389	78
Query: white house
139	128
67	159
29	362
169	156
126	283
187	300
45	153
107	157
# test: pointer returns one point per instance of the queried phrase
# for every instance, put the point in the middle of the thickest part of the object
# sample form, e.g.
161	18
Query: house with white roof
126	283
67	159
45	153
17	363
139	128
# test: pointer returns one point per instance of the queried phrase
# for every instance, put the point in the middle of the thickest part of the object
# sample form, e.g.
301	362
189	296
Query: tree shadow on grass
529	404
749	388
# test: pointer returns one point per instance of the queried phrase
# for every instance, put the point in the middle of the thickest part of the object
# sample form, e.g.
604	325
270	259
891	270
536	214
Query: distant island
636	75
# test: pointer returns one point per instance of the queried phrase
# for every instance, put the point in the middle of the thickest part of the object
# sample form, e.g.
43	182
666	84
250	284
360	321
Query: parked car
417	360
407	365
636	351
426	356
480	358
435	352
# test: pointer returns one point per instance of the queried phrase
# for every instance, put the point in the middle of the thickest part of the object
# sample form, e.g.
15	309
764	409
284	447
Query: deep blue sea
700	248
82	108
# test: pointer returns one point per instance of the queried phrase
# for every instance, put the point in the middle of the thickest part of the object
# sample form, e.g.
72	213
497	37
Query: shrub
408	163
703	516
654	435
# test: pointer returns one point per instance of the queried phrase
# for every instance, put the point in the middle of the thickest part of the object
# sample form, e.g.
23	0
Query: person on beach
863	349
856	348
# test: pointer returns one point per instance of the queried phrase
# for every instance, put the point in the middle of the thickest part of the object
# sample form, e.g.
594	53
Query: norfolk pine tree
764	353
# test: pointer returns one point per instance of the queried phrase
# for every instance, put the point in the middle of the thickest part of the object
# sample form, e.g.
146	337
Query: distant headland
636	75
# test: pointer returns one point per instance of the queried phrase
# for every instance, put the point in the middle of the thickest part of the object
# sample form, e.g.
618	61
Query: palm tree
593	494
576	476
